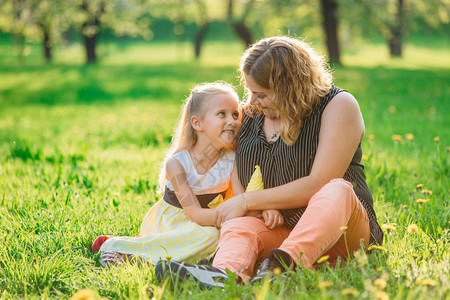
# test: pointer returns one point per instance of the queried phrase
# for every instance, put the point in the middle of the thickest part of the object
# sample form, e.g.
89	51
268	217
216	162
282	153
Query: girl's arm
188	200
342	129
235	182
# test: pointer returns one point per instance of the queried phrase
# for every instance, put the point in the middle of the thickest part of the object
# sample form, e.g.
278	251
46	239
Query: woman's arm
176	174
341	131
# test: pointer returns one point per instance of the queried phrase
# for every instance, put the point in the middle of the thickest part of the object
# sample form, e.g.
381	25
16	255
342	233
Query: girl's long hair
298	76
184	136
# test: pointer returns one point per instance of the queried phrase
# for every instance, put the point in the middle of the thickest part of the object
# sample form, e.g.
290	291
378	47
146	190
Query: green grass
80	148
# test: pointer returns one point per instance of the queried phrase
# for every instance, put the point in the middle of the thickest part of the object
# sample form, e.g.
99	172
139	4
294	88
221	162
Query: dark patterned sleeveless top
281	164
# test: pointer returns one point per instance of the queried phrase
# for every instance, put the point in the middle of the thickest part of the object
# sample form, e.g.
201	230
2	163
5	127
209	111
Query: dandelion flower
145	289
380	282
381	295
436	139
323	259
277	271
405	206
412	229
84	294
371	137
427	192
397	137
389	227
429	282
419	186
392	109
344	228
414	255
422	200
168	257
409	136
376	247
365	157
324	284
350	292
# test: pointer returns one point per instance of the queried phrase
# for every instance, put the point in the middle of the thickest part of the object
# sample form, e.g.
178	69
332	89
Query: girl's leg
319	230
242	241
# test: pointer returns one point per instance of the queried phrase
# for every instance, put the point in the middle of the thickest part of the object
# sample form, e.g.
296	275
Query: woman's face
261	97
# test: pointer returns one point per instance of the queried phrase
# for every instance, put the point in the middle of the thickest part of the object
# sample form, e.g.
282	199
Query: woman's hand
232	208
272	218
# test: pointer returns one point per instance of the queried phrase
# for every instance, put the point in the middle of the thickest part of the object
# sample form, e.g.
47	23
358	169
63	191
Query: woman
305	134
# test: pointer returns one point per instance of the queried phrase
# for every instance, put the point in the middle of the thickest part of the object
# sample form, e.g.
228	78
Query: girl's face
261	97
221	121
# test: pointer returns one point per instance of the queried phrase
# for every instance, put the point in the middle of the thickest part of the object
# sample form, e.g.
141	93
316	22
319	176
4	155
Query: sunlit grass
80	148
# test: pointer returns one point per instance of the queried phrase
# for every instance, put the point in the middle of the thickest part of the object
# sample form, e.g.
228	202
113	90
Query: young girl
197	168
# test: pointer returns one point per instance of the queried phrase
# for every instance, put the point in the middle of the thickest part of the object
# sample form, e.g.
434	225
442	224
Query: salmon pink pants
319	232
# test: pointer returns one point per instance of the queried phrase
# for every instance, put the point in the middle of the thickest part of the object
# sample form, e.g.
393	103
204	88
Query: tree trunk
330	26
199	38
46	43
90	39
395	42
244	33
89	44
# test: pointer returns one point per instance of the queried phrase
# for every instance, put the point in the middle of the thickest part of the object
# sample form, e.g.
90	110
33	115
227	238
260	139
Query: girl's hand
232	208
272	218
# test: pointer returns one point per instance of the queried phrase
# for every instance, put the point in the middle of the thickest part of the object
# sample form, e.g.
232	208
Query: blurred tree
35	20
238	24
330	27
123	17
394	18
47	21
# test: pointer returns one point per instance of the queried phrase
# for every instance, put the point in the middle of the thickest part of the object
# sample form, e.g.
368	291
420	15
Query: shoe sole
180	272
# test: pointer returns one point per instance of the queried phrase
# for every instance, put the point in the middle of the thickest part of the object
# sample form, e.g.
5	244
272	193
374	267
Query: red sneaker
96	245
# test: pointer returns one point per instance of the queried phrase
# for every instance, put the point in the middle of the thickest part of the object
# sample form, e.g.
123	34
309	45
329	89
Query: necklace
275	134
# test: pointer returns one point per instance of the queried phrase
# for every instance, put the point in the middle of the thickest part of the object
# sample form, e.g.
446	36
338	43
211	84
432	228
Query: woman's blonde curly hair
298	76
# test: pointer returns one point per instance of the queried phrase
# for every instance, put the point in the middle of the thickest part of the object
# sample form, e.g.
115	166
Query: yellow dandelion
392	109
344	228
429	282
436	139
324	284
365	157
405	206
371	137
419	279
323	259
381	295
168	257
412	229
277	271
380	282
84	294
397	137
414	255
427	192
350	292
409	136
159	137
419	186
145	289
388	227
372	247
422	200
379	270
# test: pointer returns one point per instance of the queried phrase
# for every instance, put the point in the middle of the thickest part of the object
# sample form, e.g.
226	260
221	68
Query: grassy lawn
80	148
